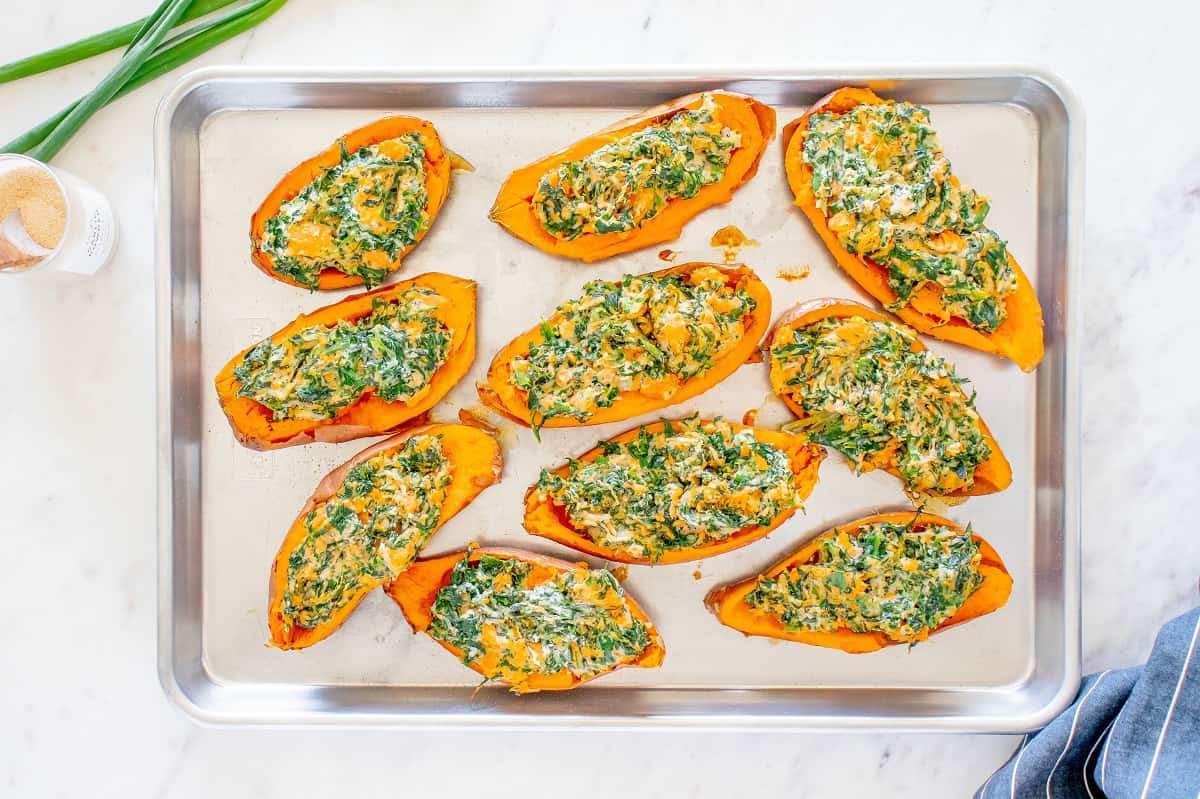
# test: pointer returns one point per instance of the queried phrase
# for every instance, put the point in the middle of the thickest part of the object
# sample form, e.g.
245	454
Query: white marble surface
80	707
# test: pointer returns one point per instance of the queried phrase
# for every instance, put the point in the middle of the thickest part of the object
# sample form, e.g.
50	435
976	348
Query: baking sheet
244	500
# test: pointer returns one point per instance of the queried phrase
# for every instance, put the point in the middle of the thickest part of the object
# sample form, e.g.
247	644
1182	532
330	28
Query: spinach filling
369	531
355	217
643	333
691	484
883	181
627	182
514	619
317	372
870	396
889	578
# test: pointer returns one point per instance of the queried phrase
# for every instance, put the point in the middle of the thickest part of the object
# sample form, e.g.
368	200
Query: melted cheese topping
868	394
883	182
355	217
629	181
888	578
694	483
369	531
318	372
645	334
512	620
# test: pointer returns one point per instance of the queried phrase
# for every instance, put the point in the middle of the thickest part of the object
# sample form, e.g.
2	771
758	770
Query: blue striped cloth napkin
1130	733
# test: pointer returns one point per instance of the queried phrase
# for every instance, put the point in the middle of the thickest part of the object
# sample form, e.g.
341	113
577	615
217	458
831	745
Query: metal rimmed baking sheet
225	136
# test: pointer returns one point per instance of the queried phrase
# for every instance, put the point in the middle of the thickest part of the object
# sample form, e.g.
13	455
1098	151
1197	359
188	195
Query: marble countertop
79	698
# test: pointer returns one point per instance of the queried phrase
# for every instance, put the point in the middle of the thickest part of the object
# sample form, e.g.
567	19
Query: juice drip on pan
729	240
792	274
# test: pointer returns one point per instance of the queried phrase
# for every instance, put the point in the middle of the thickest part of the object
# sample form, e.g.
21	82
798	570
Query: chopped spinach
646	333
513	620
362	212
883	181
317	372
691	484
368	531
890	578
868	394
630	180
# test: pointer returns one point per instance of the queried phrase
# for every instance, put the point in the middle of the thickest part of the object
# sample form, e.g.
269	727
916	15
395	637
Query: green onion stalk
95	45
150	53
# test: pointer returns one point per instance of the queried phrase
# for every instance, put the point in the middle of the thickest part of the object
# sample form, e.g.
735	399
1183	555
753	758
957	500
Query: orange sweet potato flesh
728	605
476	464
550	520
513	209
1019	336
502	396
416	589
438	163
252	422
994	474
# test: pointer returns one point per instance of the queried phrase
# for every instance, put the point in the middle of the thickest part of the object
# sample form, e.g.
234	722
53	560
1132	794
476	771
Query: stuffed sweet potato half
638	181
894	578
367	521
674	491
866	386
348	215
525	620
871	176
631	346
361	367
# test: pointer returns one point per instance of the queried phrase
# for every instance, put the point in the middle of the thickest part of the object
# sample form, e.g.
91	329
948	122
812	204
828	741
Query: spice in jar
34	197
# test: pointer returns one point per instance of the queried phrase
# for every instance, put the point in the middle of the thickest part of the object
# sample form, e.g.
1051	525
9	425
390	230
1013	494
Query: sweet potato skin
991	476
370	416
438	164
477	464
727	604
503	397
513	211
416	589
547	519
1019	338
